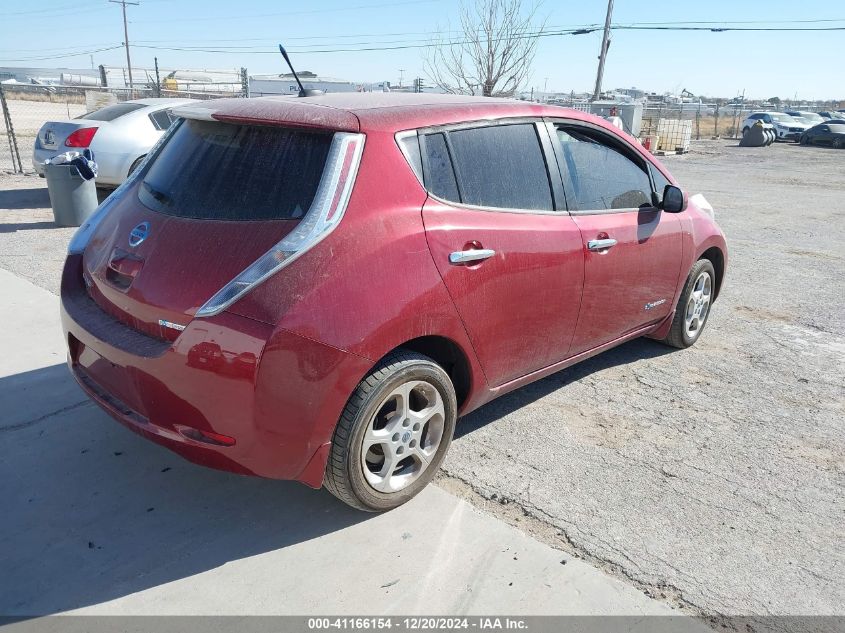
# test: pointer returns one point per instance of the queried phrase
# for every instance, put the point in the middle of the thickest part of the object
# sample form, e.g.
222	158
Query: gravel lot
712	477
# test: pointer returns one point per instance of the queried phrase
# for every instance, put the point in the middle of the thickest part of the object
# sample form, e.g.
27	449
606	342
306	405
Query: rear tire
694	305
393	434
837	143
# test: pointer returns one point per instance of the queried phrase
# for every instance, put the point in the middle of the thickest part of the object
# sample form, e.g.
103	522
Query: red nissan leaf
317	288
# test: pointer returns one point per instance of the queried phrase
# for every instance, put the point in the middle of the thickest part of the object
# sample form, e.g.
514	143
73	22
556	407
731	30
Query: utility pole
605	44
401	76
123	4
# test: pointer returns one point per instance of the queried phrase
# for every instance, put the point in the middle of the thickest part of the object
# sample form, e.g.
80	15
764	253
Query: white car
813	118
785	126
120	135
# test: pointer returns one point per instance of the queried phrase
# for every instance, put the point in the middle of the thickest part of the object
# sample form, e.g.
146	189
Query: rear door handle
472	255
601	245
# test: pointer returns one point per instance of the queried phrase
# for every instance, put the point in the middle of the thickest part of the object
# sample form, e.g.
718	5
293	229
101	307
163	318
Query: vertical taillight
323	216
81	137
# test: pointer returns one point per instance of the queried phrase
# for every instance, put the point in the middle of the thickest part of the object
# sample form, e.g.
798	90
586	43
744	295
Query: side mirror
674	200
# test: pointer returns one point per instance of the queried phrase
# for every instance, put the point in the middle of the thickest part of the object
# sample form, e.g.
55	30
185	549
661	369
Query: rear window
502	166
219	171
161	119
440	177
112	112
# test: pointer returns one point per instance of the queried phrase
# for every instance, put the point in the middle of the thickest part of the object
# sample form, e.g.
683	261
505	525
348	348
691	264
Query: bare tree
493	53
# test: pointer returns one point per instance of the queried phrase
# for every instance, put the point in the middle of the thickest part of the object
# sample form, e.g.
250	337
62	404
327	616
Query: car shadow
93	512
32	198
27	226
638	349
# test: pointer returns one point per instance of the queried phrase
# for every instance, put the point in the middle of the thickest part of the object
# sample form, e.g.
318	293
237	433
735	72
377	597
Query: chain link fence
26	108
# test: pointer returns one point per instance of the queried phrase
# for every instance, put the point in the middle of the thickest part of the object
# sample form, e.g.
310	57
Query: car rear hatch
214	199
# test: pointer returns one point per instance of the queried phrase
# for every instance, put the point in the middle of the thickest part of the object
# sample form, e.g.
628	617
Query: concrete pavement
99	521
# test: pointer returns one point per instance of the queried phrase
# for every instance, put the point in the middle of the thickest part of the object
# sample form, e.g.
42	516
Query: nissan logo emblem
139	233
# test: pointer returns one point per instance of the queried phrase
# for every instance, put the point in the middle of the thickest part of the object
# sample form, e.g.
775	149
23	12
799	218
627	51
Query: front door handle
472	255
601	245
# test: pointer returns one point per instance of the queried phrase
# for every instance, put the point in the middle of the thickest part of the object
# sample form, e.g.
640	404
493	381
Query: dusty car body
392	262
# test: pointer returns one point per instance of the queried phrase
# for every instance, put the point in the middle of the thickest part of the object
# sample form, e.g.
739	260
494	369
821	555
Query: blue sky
809	65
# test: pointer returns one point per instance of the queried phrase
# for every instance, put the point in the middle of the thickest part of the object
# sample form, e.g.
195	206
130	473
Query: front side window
502	166
660	181
219	171
600	175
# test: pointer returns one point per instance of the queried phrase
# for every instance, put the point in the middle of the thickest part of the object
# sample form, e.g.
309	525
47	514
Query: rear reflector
322	217
81	137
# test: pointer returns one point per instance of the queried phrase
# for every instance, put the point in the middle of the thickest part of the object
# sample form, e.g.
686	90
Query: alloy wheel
403	436
698	305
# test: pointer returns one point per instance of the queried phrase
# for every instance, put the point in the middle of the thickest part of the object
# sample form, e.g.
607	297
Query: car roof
354	112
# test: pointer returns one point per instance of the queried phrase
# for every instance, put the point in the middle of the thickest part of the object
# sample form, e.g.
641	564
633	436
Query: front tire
393	434
693	306
837	143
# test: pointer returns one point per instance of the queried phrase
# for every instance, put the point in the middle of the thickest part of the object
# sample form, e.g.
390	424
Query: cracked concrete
717	471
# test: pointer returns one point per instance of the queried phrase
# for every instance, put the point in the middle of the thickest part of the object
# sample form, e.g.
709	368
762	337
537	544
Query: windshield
112	112
218	171
782	118
812	117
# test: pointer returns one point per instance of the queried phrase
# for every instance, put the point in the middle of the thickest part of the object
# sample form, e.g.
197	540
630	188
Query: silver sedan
120	135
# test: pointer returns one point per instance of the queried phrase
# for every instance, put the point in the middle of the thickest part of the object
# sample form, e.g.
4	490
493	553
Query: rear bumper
275	394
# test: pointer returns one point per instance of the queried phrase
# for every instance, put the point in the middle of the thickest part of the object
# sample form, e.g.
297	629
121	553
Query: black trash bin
72	197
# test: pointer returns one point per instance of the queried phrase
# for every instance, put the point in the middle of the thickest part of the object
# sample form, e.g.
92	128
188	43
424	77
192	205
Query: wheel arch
450	356
717	258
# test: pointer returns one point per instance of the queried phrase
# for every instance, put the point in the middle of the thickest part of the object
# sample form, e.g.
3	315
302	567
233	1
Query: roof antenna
302	91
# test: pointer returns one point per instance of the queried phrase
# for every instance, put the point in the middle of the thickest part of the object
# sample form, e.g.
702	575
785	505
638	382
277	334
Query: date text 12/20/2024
416	623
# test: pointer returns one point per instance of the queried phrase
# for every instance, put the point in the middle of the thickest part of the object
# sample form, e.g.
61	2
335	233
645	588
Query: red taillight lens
81	137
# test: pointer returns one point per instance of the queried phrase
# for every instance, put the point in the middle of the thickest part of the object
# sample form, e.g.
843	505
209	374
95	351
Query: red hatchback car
316	288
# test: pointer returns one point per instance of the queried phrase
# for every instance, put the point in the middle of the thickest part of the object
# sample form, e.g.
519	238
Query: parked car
831	134
785	126
375	265
811	118
120	135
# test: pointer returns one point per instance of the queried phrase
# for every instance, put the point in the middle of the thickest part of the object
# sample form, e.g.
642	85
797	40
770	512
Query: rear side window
112	112
161	119
440	177
218	171
600	175
502	166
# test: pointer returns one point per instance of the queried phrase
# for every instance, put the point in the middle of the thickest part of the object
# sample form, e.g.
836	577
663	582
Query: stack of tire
758	135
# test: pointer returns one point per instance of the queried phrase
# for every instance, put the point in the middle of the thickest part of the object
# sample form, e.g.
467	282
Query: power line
79	54
242	16
378	45
539	34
